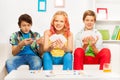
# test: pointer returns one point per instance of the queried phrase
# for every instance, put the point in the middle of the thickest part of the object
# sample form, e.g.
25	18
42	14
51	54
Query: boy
88	44
24	46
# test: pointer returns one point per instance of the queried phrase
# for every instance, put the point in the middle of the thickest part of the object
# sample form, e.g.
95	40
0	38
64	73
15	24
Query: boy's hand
85	41
92	40
27	41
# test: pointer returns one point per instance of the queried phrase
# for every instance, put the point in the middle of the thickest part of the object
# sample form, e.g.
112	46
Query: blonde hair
67	26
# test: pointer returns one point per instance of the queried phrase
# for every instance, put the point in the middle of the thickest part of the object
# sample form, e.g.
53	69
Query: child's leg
67	61
47	61
79	55
102	57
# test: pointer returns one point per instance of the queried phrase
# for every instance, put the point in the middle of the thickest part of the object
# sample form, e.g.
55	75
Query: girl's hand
40	40
60	44
53	45
57	44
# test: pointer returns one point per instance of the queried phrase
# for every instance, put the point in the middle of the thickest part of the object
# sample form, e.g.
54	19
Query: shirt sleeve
13	39
34	44
78	40
99	43
37	35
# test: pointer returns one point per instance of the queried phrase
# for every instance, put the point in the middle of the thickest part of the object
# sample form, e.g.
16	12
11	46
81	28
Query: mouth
26	31
58	26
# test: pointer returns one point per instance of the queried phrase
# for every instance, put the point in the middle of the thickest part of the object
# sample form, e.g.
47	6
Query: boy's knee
106	51
9	62
78	52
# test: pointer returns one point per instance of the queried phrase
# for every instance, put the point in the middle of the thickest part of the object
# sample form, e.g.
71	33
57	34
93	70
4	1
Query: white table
61	75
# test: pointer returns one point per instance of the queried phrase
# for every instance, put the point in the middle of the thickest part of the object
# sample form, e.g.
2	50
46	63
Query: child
58	43
88	44
24	46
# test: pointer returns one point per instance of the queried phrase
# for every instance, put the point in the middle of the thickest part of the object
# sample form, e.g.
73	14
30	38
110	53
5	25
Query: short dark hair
25	17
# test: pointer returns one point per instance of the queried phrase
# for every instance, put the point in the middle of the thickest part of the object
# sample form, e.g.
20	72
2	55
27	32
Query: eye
56	20
23	25
61	21
87	20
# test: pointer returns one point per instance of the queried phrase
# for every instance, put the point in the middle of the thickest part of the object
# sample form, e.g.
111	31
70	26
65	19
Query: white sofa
5	53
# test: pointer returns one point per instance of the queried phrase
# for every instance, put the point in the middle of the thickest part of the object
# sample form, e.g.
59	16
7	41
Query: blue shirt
28	49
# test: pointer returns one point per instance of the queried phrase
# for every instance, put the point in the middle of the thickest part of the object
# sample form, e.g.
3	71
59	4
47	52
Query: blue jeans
48	60
34	62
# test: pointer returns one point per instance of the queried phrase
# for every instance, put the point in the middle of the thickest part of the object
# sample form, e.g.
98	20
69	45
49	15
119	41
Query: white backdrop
10	10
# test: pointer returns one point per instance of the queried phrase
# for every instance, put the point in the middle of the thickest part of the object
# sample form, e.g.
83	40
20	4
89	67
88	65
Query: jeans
34	62
48	60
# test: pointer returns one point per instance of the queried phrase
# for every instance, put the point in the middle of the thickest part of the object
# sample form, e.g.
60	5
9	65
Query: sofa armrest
5	53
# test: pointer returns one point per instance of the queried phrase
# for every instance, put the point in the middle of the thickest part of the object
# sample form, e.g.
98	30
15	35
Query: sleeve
37	35
13	39
78	40
34	44
99	43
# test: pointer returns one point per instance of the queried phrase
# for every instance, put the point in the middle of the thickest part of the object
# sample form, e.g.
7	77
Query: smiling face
89	19
89	22
59	22
25	26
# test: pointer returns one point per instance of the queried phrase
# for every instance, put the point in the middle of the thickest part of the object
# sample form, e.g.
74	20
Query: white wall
10	10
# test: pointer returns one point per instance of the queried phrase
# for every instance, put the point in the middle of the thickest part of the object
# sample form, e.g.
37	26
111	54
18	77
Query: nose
58	22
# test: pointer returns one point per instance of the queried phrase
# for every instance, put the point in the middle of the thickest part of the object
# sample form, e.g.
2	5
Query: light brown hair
89	13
